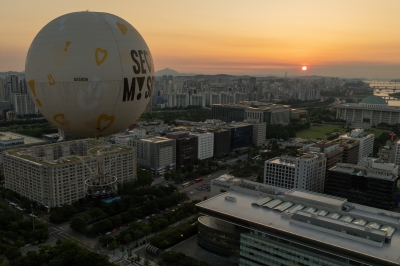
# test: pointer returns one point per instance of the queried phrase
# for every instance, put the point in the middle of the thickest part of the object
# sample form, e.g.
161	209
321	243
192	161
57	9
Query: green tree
127	238
113	245
95	213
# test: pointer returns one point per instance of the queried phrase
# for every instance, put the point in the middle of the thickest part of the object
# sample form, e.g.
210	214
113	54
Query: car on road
147	217
191	193
166	209
153	215
108	233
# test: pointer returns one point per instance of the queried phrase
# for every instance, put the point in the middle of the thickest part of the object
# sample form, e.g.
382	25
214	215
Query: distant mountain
168	71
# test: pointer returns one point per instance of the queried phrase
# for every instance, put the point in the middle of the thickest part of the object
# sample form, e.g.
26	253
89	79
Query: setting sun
304	68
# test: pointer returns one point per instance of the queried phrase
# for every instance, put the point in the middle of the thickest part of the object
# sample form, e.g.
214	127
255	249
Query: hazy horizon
332	38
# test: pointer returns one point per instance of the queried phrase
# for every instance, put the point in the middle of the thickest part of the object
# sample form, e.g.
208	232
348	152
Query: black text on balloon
141	60
130	89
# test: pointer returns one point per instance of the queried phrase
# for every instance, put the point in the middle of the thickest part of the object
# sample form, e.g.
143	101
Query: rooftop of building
157	140
333	216
357	133
28	140
373	100
36	154
369	167
291	160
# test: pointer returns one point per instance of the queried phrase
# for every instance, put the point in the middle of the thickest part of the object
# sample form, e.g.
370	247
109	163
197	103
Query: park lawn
376	132
319	131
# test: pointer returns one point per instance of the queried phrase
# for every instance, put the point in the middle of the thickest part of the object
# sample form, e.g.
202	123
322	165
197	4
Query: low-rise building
371	182
255	224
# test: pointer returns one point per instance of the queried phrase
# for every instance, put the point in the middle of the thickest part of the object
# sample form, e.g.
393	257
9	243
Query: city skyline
344	39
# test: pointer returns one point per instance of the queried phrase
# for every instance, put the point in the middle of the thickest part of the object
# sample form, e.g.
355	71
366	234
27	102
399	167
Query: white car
108	233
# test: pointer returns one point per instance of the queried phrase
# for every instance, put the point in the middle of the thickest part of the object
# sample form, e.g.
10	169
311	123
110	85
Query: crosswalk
119	261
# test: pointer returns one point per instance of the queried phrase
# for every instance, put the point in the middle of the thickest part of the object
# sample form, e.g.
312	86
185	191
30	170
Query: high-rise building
366	142
371	182
205	144
241	135
222	142
23	104
255	224
332	151
259	132
350	147
186	147
157	154
305	172
58	174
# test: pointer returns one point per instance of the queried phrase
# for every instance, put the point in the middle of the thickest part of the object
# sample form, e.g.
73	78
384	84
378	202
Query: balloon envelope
90	73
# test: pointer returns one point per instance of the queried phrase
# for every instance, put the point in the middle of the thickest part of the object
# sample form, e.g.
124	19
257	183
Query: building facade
241	135
205	144
186	147
371	182
366	145
157	154
305	172
258	225
371	111
222	142
55	174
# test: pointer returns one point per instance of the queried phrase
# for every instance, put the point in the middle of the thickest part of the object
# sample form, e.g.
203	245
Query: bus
186	184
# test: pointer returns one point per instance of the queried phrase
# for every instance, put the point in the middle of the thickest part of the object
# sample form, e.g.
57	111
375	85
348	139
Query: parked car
108	233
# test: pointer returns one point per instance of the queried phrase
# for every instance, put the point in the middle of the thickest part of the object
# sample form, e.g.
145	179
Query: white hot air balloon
90	73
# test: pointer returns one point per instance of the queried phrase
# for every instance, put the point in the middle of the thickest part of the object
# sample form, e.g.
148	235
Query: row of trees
106	217
15	232
137	230
173	258
64	253
174	235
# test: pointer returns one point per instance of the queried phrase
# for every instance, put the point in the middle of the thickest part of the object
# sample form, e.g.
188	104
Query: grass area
319	131
322	131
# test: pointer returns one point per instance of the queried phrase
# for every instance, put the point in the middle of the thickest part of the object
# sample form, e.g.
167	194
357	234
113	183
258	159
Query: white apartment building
156	154
366	141
305	172
55	174
23	104
205	145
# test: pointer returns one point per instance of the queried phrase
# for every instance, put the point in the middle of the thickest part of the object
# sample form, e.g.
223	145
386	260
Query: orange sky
334	38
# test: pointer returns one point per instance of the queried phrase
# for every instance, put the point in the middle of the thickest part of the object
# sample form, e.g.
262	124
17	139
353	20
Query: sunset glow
258	38
304	68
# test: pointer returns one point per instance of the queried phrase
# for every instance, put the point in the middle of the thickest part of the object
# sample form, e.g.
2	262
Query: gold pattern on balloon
100	55
31	84
122	28
51	80
60	53
60	119
104	121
